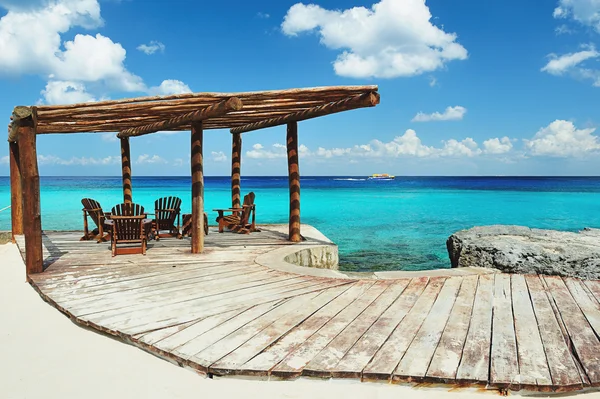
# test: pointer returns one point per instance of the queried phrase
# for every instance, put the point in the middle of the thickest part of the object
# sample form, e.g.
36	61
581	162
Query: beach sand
44	354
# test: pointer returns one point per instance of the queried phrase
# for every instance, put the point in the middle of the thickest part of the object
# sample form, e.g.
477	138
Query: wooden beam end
234	104
21	112
374	98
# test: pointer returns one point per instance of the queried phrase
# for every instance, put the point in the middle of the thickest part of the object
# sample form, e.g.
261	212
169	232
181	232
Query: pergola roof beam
360	101
218	109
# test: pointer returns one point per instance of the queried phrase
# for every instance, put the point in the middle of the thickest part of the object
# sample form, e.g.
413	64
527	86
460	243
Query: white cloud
558	65
497	146
453	148
218	156
170	86
4	160
30	42
450	114
152	47
586	12
572	64
406	145
259	152
393	38
562	139
66	92
432	81
150	159
79	161
263	15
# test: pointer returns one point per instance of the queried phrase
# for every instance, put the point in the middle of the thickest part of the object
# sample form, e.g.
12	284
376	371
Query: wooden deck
221	313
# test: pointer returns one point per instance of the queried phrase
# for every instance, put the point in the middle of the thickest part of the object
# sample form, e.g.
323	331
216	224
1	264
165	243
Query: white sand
44	355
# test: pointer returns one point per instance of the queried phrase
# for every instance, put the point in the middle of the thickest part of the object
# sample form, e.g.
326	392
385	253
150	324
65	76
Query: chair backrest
93	209
127	219
128	209
166	210
249	201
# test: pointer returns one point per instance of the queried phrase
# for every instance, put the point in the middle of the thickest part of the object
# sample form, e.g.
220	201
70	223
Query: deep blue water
378	225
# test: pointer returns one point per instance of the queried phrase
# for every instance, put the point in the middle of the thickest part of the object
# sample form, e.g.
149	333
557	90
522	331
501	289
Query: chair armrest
168	209
228	209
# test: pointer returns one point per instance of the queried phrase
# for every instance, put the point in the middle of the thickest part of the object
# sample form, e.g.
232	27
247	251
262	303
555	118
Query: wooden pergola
195	112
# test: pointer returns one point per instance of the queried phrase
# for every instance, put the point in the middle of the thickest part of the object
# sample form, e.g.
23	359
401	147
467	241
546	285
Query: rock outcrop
518	249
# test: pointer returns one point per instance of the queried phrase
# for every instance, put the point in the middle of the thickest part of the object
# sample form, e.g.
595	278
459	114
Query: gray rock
518	249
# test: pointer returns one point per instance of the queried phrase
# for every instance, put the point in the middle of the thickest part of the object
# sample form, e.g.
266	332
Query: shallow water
378	225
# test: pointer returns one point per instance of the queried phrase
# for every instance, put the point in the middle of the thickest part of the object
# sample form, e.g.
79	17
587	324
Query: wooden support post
16	192
30	183
294	178
236	166
197	189
126	170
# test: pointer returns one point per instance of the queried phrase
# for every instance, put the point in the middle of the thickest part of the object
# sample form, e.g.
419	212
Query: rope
5	208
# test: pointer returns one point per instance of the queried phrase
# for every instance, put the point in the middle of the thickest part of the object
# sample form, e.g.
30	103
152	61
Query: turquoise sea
378	225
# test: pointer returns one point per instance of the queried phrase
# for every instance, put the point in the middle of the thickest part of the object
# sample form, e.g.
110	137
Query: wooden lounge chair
93	209
186	224
129	226
166	210
239	219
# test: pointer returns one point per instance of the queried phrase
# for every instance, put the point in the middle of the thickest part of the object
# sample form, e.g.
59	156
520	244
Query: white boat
381	176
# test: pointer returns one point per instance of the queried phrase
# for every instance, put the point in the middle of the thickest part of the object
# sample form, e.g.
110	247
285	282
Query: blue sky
468	87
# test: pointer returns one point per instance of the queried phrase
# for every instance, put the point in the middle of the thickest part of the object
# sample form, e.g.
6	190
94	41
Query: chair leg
114	248
221	225
86	233
144	247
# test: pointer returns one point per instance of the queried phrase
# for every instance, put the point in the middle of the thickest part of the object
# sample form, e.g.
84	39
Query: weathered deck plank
475	363
355	360
562	366
298	307
222	313
447	356
391	352
293	364
274	331
417	358
504	367
266	360
585	342
533	365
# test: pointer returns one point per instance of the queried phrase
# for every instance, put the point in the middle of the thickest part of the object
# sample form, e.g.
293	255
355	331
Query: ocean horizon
401	224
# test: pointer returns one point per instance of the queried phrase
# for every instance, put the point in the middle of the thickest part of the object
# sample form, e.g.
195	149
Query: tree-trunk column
16	192
294	180
126	170
236	166
197	190
30	183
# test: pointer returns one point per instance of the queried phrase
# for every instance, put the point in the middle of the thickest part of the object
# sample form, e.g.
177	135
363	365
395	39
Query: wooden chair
186	224
129	226
166	210
93	209
239	219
